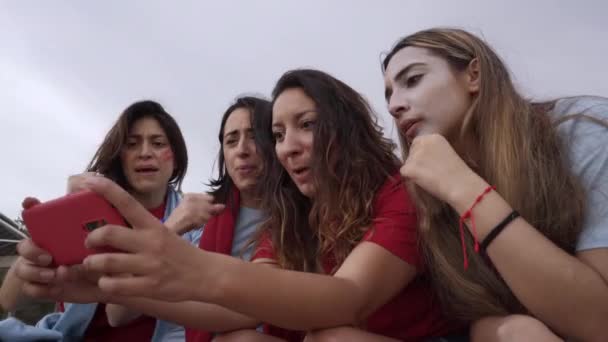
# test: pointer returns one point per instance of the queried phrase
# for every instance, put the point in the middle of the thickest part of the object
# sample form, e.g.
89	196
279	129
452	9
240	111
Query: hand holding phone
60	226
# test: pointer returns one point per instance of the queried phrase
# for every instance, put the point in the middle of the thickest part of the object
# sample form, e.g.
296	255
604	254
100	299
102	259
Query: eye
412	81
277	136
131	143
159	144
230	141
309	124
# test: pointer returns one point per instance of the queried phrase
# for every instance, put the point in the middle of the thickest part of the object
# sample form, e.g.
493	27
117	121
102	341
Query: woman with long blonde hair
512	195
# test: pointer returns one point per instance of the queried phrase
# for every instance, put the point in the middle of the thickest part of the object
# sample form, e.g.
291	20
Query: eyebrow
298	115
152	136
388	91
236	131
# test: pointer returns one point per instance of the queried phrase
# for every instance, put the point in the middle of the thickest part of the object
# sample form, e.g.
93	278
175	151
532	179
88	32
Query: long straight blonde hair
519	153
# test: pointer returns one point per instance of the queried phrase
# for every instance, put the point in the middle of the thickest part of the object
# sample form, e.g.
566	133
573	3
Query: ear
473	76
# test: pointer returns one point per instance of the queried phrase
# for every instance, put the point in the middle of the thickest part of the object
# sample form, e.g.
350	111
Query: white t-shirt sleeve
587	144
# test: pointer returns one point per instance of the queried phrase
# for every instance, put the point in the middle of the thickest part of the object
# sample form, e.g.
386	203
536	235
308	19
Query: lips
246	169
144	170
300	174
409	128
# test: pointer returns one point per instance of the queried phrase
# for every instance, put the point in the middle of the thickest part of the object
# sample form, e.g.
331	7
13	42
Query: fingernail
45	259
47	274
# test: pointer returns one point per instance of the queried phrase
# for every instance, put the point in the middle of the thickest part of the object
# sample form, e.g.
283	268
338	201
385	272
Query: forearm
196	315
119	315
289	299
556	287
10	292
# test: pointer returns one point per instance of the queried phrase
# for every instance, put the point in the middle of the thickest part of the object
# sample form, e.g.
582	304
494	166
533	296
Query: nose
145	151
244	146
397	106
289	147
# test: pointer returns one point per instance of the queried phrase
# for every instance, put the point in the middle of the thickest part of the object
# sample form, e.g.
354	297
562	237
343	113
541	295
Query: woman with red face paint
146	154
512	195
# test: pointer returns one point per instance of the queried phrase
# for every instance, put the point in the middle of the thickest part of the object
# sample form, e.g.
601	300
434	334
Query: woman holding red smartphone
145	153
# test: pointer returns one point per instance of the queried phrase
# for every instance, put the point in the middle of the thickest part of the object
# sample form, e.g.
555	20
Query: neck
151	200
249	200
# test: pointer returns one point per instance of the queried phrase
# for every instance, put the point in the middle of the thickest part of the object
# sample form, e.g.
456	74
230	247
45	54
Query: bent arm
367	279
190	314
197	315
562	290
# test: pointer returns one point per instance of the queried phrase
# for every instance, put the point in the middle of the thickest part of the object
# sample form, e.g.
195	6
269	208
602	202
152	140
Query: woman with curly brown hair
338	256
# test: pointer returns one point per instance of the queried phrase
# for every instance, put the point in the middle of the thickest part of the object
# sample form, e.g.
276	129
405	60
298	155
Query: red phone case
60	226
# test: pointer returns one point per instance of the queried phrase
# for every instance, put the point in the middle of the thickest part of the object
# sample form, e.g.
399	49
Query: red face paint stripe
167	155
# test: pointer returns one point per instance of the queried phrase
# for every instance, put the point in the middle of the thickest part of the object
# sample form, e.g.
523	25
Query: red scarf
217	237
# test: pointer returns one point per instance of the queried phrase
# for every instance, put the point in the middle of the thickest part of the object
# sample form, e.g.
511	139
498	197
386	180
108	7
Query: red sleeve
264	249
395	223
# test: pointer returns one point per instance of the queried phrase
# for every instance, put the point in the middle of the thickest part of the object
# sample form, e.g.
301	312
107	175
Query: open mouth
300	171
146	170
300	174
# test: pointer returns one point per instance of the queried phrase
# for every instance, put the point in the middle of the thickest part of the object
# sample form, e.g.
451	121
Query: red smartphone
60	226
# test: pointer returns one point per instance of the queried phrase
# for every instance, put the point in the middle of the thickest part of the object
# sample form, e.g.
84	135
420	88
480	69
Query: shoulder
393	193
394	226
580	116
584	132
594	105
582	125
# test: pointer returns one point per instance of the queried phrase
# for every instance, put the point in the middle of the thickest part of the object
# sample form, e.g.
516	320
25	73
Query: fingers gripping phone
60	226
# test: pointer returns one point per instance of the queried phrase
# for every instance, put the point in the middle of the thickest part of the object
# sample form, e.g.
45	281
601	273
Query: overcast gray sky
68	68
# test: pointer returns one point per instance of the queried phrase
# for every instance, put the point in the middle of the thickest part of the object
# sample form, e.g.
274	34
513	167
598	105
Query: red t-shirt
414	314
140	329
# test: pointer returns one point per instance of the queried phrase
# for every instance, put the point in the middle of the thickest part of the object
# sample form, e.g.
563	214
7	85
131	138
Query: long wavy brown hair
351	161
520	153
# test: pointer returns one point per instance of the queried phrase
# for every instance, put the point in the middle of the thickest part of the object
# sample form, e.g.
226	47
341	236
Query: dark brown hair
351	161
260	110
107	158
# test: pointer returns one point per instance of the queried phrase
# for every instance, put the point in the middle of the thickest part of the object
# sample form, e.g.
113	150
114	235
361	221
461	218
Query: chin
245	184
146	188
307	190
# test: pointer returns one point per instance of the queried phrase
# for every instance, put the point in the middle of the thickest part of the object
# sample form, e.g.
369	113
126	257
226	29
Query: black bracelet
496	230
